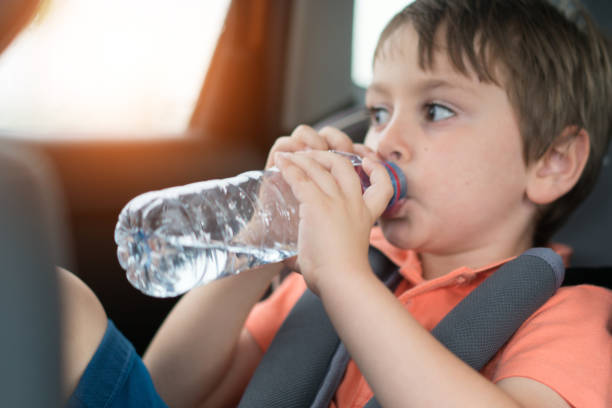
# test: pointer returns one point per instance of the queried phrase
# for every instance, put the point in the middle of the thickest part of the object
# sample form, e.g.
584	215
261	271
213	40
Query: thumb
378	195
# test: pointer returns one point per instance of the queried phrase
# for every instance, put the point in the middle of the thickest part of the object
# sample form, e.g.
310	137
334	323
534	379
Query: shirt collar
411	269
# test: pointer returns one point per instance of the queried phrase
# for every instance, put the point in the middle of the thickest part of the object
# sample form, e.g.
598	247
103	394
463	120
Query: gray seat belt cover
296	366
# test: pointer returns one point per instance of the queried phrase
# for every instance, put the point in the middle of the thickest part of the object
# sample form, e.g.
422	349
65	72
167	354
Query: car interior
276	64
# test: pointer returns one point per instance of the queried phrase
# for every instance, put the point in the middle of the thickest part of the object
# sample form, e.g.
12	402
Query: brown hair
557	73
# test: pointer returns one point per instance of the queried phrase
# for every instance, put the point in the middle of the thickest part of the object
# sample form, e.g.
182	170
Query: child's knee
83	326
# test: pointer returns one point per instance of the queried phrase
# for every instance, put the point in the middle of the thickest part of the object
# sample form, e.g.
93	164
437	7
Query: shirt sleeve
566	345
268	315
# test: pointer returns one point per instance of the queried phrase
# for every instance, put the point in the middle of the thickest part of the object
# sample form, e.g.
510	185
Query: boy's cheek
370	141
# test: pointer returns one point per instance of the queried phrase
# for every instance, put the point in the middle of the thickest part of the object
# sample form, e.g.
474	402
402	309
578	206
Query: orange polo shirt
566	344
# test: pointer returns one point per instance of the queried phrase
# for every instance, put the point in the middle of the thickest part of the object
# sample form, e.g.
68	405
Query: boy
497	112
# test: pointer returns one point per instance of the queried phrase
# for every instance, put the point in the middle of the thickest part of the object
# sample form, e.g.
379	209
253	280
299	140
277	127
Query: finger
378	195
284	144
304	188
317	170
341	170
337	139
302	138
310	138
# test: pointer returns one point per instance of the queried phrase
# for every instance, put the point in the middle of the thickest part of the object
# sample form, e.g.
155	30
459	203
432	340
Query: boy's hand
335	218
306	138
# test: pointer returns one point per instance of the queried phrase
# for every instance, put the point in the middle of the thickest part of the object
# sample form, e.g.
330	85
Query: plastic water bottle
172	240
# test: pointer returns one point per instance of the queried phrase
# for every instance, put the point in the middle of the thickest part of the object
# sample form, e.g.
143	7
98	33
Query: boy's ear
558	170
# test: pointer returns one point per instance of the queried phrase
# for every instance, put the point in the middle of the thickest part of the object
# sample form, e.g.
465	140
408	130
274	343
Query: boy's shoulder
571	324
573	300
573	309
565	345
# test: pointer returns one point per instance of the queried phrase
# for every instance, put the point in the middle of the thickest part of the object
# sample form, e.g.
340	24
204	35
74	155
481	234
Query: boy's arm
403	363
201	352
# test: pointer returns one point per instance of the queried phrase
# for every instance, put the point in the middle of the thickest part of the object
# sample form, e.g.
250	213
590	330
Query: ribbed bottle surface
172	240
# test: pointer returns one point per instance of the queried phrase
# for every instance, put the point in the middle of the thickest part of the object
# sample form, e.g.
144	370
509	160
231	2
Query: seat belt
483	321
298	361
305	363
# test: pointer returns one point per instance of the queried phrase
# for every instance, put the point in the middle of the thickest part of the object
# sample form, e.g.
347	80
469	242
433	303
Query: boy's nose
393	145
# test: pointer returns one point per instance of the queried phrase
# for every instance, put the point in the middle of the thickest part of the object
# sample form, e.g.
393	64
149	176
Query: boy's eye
436	112
379	115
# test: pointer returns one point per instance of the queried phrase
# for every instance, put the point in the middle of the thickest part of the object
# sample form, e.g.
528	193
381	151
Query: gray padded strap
290	373
296	366
485	319
333	378
391	277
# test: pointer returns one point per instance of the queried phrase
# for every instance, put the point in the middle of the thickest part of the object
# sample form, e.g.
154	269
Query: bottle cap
398	180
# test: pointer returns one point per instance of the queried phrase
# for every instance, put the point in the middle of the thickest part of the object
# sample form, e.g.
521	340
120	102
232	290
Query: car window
369	19
108	67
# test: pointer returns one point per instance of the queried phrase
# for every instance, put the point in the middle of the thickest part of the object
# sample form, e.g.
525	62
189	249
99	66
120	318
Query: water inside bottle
170	266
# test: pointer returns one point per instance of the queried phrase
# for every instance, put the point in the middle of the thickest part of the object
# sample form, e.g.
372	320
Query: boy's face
458	142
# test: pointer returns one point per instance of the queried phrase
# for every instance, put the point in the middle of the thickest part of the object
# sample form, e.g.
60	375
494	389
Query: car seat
31	243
